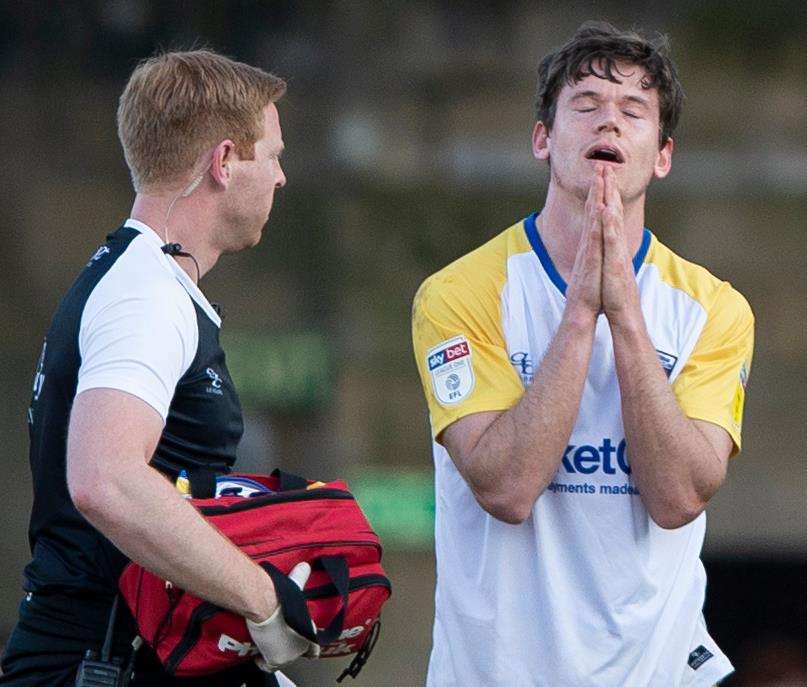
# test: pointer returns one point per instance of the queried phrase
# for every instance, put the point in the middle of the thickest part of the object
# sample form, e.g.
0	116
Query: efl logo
451	370
587	459
448	354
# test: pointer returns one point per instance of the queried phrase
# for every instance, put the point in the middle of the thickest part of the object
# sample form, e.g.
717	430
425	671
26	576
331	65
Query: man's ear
540	141
221	167
664	159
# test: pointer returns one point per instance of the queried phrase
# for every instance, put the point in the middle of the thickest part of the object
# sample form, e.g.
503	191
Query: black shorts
55	631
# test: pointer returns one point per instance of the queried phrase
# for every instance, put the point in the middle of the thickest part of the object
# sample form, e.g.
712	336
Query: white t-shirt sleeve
138	341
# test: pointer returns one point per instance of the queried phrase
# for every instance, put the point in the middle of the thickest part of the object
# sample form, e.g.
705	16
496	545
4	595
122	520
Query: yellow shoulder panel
683	275
458	336
712	384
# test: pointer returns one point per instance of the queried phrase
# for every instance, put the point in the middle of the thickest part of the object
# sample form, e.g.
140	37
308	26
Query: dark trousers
55	631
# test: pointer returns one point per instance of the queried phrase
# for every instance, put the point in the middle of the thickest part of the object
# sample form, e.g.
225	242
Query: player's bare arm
677	463
112	437
509	458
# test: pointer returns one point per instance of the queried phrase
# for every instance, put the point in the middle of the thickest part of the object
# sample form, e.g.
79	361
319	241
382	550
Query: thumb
299	574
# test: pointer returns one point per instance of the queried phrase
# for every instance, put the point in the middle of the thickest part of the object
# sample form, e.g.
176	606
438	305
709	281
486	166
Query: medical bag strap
289	481
203	482
292	601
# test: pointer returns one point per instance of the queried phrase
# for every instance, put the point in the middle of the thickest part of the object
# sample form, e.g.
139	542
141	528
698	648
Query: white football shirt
588	591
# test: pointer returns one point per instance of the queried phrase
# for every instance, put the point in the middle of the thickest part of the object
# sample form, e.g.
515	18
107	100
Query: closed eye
632	115
588	109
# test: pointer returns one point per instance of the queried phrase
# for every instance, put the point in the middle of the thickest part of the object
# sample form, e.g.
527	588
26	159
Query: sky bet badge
451	370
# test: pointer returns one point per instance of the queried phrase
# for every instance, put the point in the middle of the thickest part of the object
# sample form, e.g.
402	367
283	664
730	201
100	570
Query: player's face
253	186
601	122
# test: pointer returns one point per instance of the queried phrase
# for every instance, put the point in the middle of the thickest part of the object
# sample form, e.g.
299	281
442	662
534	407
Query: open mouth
605	154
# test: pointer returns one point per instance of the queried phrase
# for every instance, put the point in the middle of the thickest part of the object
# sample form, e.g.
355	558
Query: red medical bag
297	520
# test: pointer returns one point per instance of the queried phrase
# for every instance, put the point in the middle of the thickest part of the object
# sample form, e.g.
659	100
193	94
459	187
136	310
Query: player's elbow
89	502
672	514
90	493
505	507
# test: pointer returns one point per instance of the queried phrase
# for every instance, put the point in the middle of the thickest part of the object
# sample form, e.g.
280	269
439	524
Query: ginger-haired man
132	388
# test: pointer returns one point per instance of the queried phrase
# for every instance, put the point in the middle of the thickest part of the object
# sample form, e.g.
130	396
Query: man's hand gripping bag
296	520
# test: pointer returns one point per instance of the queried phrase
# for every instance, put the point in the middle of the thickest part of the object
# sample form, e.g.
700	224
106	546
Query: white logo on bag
227	643
343	647
352	632
336	649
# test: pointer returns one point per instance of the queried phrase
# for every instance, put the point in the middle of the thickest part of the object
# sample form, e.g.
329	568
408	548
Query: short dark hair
594	50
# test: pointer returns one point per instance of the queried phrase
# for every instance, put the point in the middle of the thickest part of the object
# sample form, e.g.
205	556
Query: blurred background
407	129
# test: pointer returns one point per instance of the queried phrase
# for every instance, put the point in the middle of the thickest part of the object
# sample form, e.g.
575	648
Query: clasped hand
602	278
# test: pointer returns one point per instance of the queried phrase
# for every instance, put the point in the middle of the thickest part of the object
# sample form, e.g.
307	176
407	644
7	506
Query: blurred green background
407	129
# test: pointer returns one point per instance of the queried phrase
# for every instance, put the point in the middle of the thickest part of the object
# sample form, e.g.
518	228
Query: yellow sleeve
459	347
711	386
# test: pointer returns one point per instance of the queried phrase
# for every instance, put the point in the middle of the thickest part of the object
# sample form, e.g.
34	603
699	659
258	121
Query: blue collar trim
641	254
540	250
549	267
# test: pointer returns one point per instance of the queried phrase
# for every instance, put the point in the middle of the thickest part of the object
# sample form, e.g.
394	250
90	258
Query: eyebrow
585	94
596	96
638	100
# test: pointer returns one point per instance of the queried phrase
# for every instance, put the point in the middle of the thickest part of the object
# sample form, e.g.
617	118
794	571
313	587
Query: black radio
104	671
95	672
